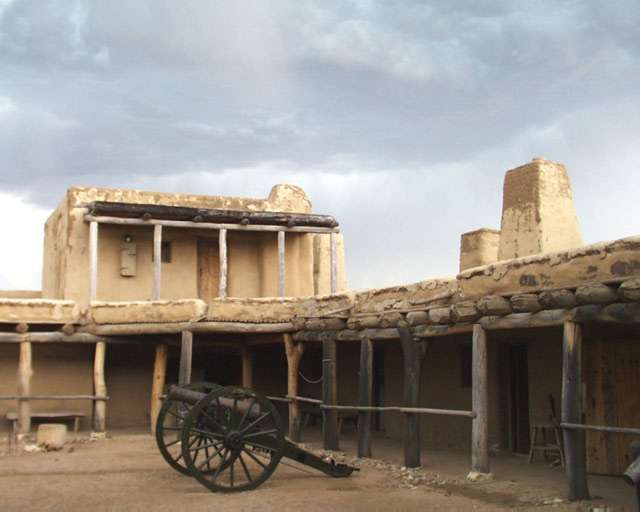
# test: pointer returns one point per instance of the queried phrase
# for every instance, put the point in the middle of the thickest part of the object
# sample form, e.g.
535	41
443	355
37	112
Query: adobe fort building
140	289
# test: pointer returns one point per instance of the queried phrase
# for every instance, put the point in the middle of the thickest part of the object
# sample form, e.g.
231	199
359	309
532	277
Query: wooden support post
186	355
480	402
574	440
334	264
294	354
281	264
157	385
157	260
93	260
222	246
99	388
247	367
329	393
413	352
25	372
365	392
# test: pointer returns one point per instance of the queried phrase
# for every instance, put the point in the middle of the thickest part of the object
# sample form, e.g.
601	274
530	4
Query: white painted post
222	243
281	264
157	260
93	260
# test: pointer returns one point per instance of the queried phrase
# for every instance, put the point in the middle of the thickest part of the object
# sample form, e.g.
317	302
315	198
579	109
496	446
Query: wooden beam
480	402
413	355
294	352
281	264
334	264
329	393
157	261
574	440
247	367
93	260
207	225
49	337
186	355
222	246
178	327
545	318
25	371
157	384
99	388
365	395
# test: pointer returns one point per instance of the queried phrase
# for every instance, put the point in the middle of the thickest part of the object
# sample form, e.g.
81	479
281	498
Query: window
165	252
465	365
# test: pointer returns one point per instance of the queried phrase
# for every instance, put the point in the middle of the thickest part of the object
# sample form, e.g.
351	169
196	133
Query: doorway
514	397
208	269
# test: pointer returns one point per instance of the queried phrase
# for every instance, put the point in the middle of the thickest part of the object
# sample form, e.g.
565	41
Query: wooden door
612	380
208	269
513	397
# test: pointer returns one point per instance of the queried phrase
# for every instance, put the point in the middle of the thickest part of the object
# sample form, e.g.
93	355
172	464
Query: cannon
230	439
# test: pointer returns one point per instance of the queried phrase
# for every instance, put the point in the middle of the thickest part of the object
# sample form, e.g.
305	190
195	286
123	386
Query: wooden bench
52	415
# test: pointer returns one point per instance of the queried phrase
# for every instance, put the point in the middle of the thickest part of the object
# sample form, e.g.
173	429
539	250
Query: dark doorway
514	397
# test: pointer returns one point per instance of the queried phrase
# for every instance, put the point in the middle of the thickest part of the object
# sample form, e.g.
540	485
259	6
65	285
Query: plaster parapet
601	262
186	310
43	311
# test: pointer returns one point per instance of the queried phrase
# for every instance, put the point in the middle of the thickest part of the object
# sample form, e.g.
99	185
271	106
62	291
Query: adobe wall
252	256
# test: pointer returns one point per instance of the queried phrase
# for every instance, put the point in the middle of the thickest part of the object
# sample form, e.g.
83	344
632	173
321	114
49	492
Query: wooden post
365	392
329	392
186	354
480	401
574	440
25	372
294	354
93	260
222	245
157	385
334	264
247	367
413	352
157	260
281	264
99	388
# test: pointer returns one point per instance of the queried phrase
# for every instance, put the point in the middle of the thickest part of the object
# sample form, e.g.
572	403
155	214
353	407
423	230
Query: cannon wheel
244	440
169	427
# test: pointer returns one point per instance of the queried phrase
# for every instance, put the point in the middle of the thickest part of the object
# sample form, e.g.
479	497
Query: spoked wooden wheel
169	427
243	440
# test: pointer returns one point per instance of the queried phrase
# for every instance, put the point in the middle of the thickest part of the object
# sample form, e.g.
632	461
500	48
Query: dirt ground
126	472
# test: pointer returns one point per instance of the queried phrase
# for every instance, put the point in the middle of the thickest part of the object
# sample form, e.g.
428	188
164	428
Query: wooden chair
547	437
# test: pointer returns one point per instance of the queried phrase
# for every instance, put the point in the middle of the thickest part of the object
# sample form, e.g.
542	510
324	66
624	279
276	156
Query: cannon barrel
192	397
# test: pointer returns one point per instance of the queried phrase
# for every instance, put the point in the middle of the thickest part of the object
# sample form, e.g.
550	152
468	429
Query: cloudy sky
398	117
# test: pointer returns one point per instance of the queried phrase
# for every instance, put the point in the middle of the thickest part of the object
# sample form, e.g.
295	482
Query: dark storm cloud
412	110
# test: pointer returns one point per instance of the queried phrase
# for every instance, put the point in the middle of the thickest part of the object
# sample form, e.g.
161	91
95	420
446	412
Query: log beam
99	388
480	401
222	246
365	392
247	367
157	384
413	353
294	352
329	393
157	261
574	440
186	356
25	371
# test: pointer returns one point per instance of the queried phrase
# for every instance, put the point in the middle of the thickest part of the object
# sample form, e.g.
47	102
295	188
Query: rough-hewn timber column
99	388
329	392
157	261
294	354
281	264
25	372
222	247
157	385
93	260
186	355
574	440
247	367
413	352
480	402
365	392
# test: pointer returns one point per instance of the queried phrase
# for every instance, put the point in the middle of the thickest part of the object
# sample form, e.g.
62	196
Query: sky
398	117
